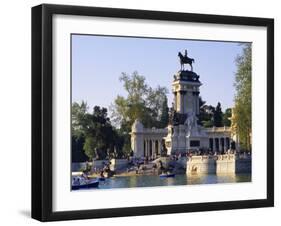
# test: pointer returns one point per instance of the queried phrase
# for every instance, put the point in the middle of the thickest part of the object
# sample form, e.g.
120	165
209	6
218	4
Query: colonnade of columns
219	143
152	147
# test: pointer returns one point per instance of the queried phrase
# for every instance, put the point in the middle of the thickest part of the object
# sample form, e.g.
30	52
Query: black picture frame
42	111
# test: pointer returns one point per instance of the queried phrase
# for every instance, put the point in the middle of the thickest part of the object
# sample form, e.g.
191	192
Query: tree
218	115
78	133
142	102
78	117
206	113
226	117
101	138
90	147
93	134
242	120
164	115
77	152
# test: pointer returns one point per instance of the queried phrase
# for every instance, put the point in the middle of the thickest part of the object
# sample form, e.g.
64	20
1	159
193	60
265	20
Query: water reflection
154	180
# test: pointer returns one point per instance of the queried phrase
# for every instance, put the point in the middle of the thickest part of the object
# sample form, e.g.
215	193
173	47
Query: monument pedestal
184	134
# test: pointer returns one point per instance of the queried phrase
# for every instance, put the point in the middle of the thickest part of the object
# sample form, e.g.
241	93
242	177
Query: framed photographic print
145	112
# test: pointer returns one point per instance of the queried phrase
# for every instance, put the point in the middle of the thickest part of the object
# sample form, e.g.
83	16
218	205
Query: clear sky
98	61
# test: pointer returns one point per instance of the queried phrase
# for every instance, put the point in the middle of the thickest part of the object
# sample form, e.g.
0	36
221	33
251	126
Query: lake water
183	179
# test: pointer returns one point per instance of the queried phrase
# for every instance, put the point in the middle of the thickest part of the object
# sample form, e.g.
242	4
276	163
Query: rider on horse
185	60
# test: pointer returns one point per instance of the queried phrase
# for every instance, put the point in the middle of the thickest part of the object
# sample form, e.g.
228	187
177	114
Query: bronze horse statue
184	59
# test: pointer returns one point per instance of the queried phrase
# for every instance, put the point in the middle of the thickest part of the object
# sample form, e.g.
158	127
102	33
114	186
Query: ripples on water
155	180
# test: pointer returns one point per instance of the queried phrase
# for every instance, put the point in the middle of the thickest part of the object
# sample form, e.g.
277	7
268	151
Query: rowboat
101	178
167	175
87	184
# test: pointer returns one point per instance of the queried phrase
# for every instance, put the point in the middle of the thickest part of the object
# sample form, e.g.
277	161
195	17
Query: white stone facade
183	134
146	142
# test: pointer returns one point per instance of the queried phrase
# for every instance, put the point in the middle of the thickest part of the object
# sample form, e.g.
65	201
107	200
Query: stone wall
219	164
115	164
118	164
201	164
225	163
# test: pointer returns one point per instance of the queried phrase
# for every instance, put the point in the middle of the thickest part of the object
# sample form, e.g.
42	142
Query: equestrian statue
184	59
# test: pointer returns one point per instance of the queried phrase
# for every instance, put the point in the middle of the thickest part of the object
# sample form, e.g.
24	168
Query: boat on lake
101	178
79	183
165	175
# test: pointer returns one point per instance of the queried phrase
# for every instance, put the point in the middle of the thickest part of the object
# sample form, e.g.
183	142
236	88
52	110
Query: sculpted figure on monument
191	122
185	60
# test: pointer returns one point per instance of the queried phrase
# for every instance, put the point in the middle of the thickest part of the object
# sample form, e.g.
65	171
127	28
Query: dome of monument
137	126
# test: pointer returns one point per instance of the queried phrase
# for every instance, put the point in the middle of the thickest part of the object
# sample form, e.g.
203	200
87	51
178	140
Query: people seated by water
102	174
76	181
85	175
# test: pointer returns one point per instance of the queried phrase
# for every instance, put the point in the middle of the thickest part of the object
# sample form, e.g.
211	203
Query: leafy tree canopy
242	112
142	102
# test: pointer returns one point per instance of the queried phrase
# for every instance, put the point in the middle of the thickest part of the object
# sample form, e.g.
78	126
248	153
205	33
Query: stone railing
218	129
155	130
211	164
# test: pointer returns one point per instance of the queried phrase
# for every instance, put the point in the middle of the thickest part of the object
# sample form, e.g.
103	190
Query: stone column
196	100
175	101
146	148
228	143
144	151
197	109
220	147
181	102
212	144
193	101
182	93
221	142
159	147
153	148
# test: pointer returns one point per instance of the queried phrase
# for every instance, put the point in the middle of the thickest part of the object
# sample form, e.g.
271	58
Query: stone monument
184	133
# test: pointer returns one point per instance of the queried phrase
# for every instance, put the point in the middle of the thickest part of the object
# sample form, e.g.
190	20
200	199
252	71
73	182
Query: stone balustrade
211	164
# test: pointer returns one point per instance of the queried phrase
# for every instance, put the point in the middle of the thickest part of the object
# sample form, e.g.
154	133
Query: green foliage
226	117
89	147
77	127
218	115
79	119
206	113
164	115
142	102
100	138
78	154
210	116
243	99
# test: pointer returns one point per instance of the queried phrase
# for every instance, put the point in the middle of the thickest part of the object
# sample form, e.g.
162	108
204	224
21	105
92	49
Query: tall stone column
197	109
153	148
196	102
144	150
147	148
182	93
212	143
159	147
175	101
220	148
181	102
